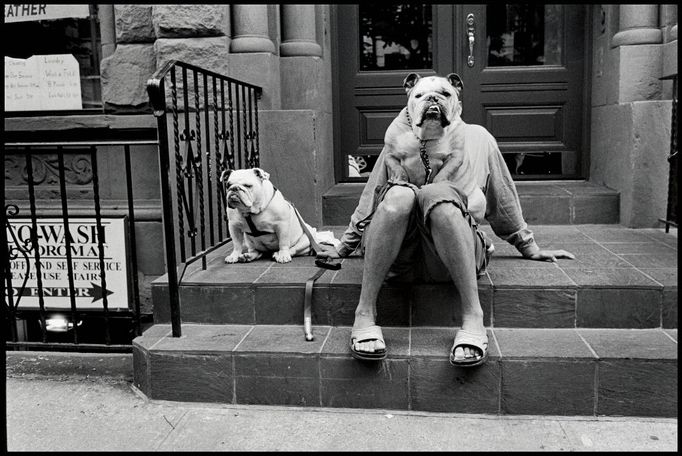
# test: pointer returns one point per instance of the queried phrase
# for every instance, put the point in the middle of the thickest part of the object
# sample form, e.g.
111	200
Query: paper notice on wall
42	83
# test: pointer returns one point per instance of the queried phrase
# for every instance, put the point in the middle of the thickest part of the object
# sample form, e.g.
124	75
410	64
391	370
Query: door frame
457	52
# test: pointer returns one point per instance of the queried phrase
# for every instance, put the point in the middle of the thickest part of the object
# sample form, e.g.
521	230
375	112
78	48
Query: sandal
365	335
470	339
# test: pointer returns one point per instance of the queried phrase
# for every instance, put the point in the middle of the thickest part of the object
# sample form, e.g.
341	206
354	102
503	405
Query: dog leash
323	264
422	150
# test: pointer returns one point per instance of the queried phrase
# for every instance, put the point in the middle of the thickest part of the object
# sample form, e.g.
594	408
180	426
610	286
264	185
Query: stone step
621	278
586	372
545	203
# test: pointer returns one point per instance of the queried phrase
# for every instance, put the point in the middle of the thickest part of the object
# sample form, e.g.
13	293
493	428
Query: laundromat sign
24	13
85	264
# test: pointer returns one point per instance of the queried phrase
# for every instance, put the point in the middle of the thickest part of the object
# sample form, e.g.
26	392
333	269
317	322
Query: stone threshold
543	202
529	371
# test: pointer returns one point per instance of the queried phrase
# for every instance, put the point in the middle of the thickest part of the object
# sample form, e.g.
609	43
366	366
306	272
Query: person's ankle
364	317
474	320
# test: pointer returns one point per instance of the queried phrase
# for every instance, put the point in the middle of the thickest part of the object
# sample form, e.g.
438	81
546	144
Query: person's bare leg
455	245
382	244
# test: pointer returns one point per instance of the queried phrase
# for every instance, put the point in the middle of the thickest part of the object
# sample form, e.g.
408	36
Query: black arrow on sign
97	292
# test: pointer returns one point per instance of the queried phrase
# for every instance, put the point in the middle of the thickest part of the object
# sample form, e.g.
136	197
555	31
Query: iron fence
207	123
56	246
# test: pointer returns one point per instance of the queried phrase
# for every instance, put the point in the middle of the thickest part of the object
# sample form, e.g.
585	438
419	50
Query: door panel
525	84
371	96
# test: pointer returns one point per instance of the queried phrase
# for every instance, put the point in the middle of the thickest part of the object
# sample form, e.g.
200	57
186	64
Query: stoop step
621	278
585	372
592	336
544	203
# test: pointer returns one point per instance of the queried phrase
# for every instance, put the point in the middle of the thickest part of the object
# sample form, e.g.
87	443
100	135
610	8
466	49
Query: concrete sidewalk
100	413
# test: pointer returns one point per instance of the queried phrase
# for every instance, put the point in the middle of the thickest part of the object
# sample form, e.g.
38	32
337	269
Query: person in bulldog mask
435	180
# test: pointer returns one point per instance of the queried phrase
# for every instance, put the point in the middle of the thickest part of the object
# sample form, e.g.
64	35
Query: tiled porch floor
606	255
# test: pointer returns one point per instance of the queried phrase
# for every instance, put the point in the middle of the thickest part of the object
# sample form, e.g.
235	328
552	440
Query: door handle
471	29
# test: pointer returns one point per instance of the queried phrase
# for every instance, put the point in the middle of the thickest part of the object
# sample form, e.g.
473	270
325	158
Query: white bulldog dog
260	220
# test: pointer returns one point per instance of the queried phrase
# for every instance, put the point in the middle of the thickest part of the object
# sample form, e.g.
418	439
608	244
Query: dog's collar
264	207
255	232
422	149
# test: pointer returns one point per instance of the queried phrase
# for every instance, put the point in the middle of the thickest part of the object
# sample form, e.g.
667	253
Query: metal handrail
198	165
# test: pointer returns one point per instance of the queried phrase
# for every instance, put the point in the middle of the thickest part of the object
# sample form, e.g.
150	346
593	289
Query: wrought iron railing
41	240
671	207
207	123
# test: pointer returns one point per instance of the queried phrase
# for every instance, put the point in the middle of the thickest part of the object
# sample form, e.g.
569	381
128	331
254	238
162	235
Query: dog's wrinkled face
434	102
244	187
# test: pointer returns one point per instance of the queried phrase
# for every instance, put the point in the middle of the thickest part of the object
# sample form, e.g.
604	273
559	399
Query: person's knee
398	201
446	215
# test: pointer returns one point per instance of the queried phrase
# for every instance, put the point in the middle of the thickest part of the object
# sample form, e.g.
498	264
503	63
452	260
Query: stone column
633	126
668	25
668	22
298	31
251	29
303	83
253	56
638	25
107	29
301	140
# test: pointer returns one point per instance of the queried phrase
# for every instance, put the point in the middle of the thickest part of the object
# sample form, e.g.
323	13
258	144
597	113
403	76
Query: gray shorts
418	259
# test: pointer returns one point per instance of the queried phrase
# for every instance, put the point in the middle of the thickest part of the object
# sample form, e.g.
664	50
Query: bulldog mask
260	220
433	103
428	148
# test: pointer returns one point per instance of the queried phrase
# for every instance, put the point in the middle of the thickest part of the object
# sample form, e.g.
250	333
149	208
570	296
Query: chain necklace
422	150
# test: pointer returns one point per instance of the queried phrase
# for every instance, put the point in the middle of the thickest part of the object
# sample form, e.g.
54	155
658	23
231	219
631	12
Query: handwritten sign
25	13
42	82
54	270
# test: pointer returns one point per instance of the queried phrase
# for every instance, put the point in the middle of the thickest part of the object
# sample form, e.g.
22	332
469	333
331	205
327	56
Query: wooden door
523	78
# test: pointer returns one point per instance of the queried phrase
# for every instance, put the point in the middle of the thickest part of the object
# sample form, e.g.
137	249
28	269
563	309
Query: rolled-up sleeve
503	208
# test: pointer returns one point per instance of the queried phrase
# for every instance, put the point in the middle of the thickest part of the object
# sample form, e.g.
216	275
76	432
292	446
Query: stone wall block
195	20
632	142
652	122
261	69
639	72
134	24
304	84
208	53
125	74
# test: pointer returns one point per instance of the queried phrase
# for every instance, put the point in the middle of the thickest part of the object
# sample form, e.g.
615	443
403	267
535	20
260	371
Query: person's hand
550	255
328	252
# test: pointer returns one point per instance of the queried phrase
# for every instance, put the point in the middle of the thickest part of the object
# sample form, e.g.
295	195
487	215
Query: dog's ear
409	81
225	175
456	81
261	174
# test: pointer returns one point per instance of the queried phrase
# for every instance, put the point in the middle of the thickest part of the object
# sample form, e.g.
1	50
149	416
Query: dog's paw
282	256
248	257
232	258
